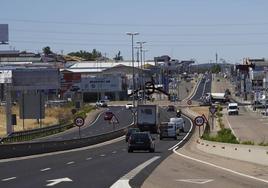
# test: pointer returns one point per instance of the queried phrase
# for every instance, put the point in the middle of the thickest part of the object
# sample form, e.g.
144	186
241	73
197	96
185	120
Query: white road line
124	181
184	136
8	179
231	128
102	155
69	163
124	149
45	169
114	152
219	167
89	158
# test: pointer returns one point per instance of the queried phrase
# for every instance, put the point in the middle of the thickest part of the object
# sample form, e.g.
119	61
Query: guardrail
35	133
25	149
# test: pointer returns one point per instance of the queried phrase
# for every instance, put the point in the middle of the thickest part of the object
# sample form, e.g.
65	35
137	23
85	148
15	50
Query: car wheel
130	150
151	150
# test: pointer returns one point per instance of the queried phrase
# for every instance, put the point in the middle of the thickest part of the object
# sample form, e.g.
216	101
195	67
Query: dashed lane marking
69	163
45	169
89	158
8	179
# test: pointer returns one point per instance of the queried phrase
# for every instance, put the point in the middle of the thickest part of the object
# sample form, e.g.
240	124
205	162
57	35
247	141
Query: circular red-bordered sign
79	121
199	121
189	102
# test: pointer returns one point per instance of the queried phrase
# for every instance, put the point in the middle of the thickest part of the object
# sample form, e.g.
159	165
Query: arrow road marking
196	181
57	181
7	179
123	182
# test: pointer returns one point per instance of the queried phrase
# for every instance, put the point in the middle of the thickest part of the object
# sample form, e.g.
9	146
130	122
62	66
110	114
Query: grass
263	144
248	142
224	135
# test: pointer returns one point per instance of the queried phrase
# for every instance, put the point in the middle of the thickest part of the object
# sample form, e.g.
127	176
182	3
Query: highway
204	87
96	167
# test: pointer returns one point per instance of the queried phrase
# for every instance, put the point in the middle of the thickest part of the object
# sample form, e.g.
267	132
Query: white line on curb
184	136
124	181
219	167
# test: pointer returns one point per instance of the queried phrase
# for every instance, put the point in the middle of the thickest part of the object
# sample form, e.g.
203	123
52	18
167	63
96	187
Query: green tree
47	50
216	68
89	56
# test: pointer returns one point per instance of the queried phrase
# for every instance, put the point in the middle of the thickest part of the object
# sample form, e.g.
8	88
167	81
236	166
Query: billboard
35	79
101	84
32	106
5	76
4	33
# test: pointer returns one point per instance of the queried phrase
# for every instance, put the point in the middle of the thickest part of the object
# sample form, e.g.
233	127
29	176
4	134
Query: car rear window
139	135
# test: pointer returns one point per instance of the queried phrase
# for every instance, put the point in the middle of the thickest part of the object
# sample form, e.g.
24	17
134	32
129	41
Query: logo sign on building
5	76
101	84
4	33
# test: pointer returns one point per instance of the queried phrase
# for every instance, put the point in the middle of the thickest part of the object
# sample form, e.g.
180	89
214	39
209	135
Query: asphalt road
204	87
100	126
97	167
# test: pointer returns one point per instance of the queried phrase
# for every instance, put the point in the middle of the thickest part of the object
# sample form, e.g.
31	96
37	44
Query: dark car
171	108
130	131
108	115
141	141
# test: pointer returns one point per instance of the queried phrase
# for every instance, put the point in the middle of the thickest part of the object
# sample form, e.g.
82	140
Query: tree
87	55
47	50
118	57
216	68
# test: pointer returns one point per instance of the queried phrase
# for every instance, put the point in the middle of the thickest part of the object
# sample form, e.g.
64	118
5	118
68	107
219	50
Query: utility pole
142	84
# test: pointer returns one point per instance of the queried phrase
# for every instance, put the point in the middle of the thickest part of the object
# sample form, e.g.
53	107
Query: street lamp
133	68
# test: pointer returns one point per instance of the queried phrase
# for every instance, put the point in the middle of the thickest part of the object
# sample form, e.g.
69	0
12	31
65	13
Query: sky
182	29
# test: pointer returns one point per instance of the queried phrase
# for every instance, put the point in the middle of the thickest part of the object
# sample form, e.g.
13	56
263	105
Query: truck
210	98
147	118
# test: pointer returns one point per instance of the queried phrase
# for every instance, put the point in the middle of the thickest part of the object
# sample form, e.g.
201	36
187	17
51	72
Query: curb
249	153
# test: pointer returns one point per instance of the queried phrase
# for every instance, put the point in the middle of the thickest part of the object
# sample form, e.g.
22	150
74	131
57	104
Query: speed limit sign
79	121
189	102
199	121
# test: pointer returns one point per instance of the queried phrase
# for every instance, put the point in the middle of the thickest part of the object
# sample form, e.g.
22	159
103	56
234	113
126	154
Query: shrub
248	142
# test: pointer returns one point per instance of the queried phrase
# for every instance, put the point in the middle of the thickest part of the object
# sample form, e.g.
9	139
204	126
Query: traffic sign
212	109
189	102
199	120
79	121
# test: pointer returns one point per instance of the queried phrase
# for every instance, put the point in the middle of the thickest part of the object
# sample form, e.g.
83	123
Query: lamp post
133	68
142	84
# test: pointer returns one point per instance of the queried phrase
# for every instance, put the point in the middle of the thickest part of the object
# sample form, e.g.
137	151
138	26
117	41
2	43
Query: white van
232	108
180	123
169	130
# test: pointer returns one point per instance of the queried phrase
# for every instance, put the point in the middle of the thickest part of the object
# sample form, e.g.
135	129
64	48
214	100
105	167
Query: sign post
199	121
212	110
79	122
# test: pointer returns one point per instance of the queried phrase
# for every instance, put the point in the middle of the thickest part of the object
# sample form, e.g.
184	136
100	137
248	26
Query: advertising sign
4	33
101	84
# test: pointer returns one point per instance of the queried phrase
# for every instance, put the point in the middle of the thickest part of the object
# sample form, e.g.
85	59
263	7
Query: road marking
45	169
114	152
71	162
124	181
196	181
89	158
124	149
184	136
219	167
231	128
57	181
8	179
102	155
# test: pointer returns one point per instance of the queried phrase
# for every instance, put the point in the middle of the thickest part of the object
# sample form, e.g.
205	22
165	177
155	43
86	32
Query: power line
135	24
149	34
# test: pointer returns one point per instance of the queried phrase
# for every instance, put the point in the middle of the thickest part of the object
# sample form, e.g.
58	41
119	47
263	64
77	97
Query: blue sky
189	29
